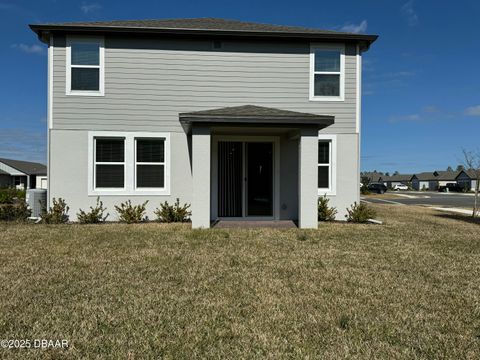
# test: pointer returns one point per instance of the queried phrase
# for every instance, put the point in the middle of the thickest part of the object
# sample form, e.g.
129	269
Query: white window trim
332	174
101	66
130	173
314	47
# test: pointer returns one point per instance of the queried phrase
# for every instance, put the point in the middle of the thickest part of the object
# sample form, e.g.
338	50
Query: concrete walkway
454	210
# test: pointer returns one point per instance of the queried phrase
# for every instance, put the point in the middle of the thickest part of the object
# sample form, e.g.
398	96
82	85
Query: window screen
150	163
109	162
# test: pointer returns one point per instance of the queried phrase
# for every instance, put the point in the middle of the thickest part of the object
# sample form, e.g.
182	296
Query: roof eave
40	30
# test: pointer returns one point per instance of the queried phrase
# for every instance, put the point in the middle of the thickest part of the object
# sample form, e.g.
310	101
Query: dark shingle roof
252	114
399	177
426	176
201	25
447	175
373	176
27	167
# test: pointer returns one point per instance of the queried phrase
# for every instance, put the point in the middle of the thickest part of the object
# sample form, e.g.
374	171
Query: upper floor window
327	69
85	66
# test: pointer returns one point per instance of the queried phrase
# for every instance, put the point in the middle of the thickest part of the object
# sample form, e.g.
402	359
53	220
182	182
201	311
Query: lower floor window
110	162
326	164
129	162
150	163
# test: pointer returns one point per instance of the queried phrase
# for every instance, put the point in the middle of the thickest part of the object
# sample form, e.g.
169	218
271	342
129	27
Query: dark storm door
230	179
259	178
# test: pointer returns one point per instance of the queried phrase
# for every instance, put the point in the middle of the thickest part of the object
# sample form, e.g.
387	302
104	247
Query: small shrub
57	214
325	213
131	214
95	216
364	190
173	213
9	195
360	213
15	212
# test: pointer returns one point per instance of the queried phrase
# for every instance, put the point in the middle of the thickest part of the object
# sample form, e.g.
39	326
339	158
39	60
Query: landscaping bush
57	214
14	212
95	216
364	189
173	213
9	195
131	214
325	213
360	213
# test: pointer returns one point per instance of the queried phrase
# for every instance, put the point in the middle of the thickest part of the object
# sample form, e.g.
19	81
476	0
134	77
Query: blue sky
421	79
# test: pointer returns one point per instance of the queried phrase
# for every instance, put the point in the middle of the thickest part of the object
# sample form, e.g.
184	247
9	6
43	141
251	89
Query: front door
245	179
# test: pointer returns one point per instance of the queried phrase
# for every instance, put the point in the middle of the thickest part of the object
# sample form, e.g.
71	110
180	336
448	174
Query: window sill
129	193
326	98
84	93
328	192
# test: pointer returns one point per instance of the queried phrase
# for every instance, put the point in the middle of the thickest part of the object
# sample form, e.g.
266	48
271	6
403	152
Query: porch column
201	177
307	179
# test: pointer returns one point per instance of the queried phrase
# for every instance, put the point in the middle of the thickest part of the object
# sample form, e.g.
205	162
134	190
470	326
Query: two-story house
242	120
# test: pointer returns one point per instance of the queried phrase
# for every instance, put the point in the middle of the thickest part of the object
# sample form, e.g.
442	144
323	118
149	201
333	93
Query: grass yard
407	289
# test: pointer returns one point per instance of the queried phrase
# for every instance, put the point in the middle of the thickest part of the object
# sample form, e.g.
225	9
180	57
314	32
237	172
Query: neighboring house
466	179
242	120
432	180
445	177
425	181
22	174
391	181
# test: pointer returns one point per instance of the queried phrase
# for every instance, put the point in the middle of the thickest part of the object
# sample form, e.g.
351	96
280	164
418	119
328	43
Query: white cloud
409	13
354	28
30	49
410	117
90	8
473	111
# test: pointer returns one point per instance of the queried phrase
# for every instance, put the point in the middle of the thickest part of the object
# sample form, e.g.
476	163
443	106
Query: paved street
426	198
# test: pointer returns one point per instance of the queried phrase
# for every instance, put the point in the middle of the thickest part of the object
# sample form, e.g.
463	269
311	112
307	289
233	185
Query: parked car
450	187
378	188
400	187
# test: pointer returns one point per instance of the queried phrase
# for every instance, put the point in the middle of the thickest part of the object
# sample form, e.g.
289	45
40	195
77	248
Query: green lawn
406	289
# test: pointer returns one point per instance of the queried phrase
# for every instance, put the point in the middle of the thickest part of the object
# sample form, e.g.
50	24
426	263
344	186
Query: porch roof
255	115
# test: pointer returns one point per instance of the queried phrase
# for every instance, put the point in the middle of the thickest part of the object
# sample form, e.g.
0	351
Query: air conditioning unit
36	200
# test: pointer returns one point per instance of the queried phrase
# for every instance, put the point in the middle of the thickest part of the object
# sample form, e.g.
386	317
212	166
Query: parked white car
398	187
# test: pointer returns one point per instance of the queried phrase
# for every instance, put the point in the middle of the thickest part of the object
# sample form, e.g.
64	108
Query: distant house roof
373	176
203	26
426	176
251	114
471	173
27	167
3	172
447	175
398	177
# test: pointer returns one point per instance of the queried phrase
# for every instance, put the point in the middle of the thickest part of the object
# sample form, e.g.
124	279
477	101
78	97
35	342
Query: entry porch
252	163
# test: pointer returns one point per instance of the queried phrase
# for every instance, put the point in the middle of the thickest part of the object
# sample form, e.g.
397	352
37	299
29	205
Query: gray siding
149	81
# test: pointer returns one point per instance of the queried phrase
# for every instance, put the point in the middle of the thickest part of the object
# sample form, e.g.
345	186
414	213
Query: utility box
36	199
